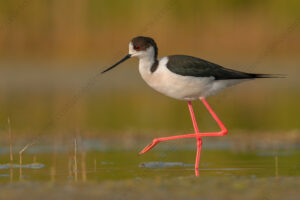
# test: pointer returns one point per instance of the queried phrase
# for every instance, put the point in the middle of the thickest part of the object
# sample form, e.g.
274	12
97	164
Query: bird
184	78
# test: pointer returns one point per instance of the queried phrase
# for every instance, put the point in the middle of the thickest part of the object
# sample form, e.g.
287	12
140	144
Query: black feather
197	67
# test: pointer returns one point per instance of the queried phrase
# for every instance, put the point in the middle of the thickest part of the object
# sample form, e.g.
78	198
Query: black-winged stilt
184	78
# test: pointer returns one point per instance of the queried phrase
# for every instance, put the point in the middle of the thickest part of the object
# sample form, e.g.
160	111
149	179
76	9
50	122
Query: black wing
192	66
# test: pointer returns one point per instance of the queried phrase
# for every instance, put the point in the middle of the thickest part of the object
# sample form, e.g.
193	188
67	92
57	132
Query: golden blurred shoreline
51	53
101	30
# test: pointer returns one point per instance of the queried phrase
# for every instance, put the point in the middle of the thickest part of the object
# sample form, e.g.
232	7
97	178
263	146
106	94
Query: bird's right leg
198	136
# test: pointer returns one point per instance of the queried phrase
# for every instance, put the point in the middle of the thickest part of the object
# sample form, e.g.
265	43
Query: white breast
174	85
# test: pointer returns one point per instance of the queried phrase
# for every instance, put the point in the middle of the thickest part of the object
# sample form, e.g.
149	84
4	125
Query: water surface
115	164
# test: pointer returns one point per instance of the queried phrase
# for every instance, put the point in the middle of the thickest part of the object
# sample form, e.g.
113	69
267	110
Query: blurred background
51	53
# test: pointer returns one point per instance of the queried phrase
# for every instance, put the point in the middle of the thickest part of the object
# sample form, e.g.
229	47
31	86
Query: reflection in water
117	164
196	172
164	164
29	166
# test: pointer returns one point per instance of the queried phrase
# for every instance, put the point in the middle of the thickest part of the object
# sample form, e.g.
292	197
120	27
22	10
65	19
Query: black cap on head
141	43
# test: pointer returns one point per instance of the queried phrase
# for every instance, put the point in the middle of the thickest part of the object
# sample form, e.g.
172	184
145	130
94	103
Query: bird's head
141	47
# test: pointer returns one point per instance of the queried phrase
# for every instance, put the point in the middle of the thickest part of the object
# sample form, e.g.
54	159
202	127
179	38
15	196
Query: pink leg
199	146
199	140
193	117
197	134
213	114
162	139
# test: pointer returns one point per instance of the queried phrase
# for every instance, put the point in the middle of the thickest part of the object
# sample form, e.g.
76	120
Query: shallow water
115	164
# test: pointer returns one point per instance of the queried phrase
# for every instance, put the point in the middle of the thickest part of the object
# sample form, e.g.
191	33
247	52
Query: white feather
173	85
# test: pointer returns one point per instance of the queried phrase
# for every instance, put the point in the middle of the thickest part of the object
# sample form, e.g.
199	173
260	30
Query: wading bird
184	78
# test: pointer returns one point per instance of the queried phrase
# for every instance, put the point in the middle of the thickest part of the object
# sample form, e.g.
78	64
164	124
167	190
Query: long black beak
122	60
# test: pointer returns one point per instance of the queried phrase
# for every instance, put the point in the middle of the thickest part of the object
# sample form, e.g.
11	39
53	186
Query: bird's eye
137	47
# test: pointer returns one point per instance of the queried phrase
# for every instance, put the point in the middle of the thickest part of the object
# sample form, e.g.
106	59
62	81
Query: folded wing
192	66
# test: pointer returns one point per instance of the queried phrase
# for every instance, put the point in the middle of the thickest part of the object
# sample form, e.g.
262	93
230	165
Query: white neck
147	59
145	63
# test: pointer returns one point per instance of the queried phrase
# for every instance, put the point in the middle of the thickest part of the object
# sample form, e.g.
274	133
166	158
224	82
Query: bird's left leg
162	139
196	134
213	114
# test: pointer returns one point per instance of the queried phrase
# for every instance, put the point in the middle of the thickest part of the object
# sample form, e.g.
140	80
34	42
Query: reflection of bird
185	78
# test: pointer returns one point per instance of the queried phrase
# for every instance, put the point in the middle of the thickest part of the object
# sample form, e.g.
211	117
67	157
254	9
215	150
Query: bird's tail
269	75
